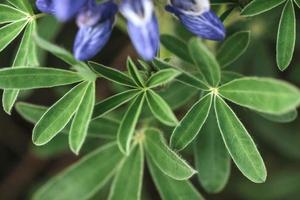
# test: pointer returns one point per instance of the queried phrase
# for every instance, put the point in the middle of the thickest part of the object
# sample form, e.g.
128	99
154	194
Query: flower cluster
96	20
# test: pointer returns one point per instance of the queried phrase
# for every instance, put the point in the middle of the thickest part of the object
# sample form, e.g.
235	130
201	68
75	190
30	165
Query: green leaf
105	128
211	157
10	31
58	115
177	94
162	77
239	143
160	109
218	2
53	149
134	73
25	57
170	189
99	128
190	125
113	102
164	158
112	74
128	124
85	178
23	5
228	76
262	94
283	118
257	7
58	51
176	47
297	2
82	118
185	78
30	112
286	38
133	167
205	61
9	14
31	78
233	48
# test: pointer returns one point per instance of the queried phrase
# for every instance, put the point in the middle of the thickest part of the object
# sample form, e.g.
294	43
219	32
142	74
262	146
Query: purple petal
92	13
207	25
90	40
45	6
145	38
67	9
142	26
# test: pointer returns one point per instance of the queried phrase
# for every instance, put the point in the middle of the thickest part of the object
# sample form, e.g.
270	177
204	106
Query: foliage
148	129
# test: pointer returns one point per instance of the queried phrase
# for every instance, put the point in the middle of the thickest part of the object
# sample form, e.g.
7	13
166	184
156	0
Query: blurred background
24	167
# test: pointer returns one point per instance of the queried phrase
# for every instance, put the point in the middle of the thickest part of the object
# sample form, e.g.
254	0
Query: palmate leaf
112	74
205	61
271	134
286	38
58	115
58	52
297	2
26	56
177	94
233	48
133	167
170	188
176	47
23	5
160	109
239	143
134	73
211	157
262	94
81	121
162	77
103	128
185	78
257	7
10	31
113	102
128	124
10	14
228	76
190	125
283	118
32	77
85	178
164	158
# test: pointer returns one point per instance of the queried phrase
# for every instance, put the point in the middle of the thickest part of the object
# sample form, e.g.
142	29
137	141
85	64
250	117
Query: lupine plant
172	115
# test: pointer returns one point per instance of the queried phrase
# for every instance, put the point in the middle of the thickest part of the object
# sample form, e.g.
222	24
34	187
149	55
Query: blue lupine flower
197	17
142	26
67	9
45	6
196	7
95	22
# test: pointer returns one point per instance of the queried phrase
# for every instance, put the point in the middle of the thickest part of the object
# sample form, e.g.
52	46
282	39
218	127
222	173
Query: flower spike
67	9
197	18
142	26
95	24
45	6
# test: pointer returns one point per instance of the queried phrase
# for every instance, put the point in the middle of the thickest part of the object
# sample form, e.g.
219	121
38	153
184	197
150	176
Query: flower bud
95	23
45	6
67	9
142	26
197	18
